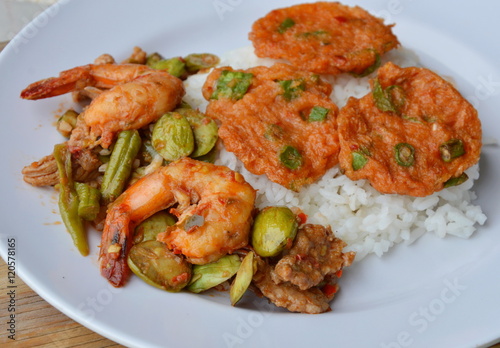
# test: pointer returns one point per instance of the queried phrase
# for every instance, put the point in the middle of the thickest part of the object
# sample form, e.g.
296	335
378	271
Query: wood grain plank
38	324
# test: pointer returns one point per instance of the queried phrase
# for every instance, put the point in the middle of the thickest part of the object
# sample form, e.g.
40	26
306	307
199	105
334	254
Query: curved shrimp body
214	210
131	105
137	96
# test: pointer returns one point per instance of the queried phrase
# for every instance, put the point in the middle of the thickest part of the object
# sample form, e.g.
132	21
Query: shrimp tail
68	80
117	241
90	75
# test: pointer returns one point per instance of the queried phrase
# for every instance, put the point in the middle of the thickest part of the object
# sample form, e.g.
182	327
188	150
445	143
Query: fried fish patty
414	134
278	121
323	37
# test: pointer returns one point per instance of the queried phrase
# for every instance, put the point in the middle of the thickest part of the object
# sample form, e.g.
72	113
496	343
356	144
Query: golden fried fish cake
414	134
324	37
278	121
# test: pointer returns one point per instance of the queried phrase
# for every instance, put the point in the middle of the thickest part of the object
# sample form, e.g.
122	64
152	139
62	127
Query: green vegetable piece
232	85
371	68
392	98
68	199
174	66
67	122
120	164
411	119
317	34
173	137
155	264
274	132
285	25
243	278
273	229
153	58
205	131
318	114
88	201
456	181
381	100
290	157
292	88
358	160
404	154
212	274
152	226
184	105
430	119
196	62
451	149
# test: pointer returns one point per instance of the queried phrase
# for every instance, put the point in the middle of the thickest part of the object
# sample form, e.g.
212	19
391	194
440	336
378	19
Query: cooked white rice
368	221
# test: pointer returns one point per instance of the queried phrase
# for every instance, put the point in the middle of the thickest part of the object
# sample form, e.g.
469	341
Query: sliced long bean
88	197
68	199
120	164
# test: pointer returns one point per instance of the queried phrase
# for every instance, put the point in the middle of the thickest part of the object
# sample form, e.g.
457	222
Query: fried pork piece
287	295
324	37
45	173
315	254
414	134
305	278
279	121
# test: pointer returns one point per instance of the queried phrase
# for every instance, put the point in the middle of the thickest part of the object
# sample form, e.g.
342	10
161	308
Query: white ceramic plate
434	293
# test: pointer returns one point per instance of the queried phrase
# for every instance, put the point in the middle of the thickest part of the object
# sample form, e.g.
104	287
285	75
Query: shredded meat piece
316	253
104	59
80	136
138	56
286	295
87	160
44	172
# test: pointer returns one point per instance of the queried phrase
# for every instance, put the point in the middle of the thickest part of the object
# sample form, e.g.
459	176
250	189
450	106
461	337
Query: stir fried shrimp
136	96
214	206
414	134
324	37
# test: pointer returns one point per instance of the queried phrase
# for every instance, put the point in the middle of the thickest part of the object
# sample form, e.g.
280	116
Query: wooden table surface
38	324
